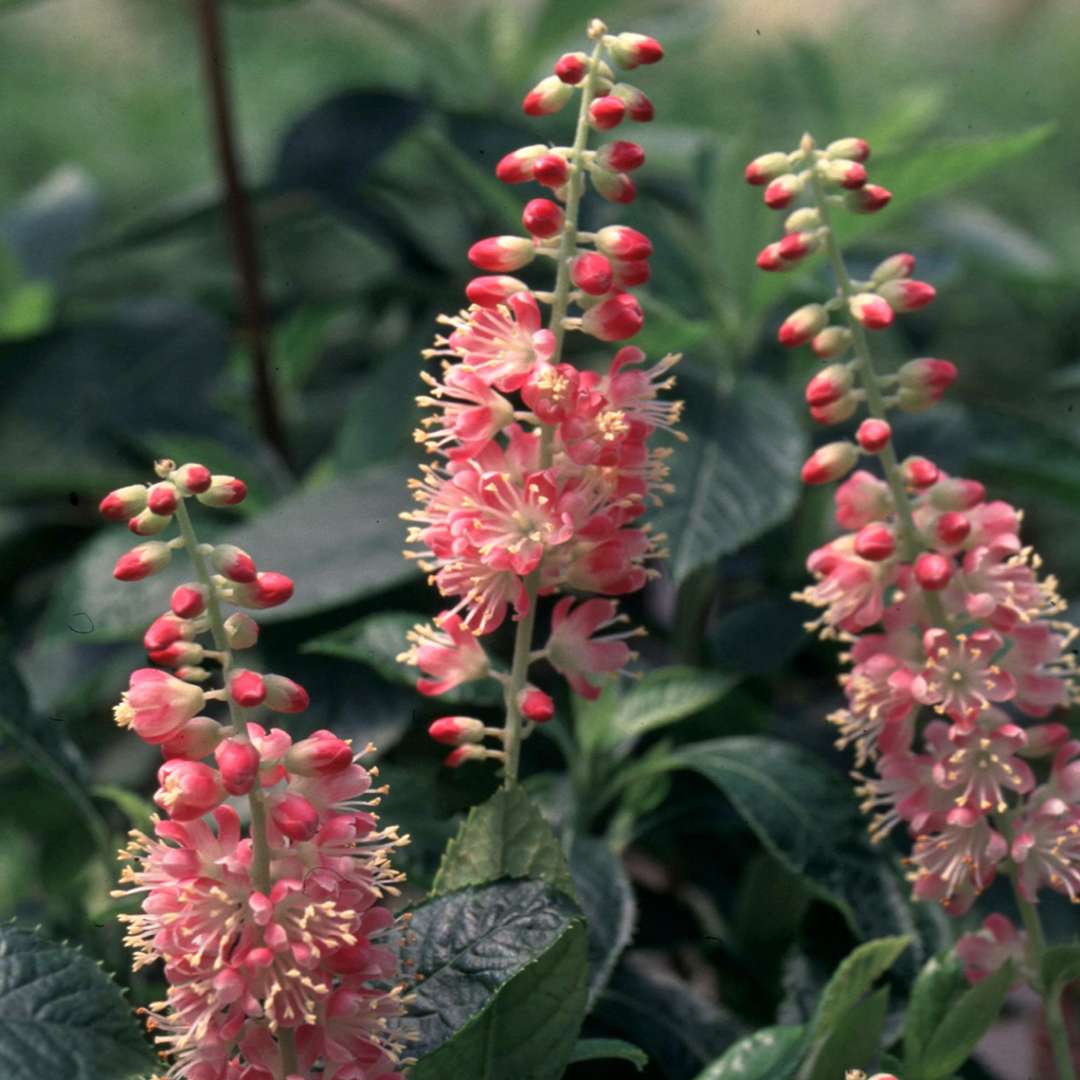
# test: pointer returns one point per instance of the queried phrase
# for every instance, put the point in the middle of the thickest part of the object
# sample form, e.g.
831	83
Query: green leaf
26	310
61	1015
964	1025
603	1049
737	476
665	696
502	990
504	837
138	811
854	977
855	1038
769	1054
607	899
1060	965
939	985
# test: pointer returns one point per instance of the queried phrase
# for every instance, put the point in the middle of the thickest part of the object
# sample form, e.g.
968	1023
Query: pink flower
471	413
1046	847
990	948
158	705
850	589
448	651
573	650
961	677
978	767
957	863
188	789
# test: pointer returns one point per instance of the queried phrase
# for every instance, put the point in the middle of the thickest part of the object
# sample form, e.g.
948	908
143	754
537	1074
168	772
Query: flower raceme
543	469
278	952
940	602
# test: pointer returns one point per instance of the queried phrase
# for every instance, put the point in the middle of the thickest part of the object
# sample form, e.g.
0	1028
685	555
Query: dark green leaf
769	1054
61	1015
504	837
1060	965
26	310
665	696
855	1038
503	973
939	985
607	900
737	476
601	1049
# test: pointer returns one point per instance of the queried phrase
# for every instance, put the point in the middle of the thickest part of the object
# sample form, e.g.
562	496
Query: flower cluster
277	949
941	602
543	469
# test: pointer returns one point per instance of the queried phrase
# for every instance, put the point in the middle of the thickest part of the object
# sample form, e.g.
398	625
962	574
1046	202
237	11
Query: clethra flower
991	947
576	653
448	654
960	678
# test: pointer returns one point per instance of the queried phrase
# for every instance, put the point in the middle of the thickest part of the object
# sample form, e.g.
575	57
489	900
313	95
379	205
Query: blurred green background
368	132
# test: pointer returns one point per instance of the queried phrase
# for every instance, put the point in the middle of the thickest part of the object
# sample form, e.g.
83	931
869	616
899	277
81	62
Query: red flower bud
957	494
952	527
781	191
606	112
829	462
904	294
468	752
616	319
613	186
832	342
873	435
502	253
188	600
235	563
456	730
322	754
932	571
241	630
901	265
147	523
769	258
517	166
919	472
246	688
868	199
620	156
875	542
542	218
630	50
295	817
142	561
551	170
494	290
829	385
802	324
571	68
177	654
188	789
123	503
162	498
191	479
628	274
195	740
591	273
283	695
166	629
798	245
852	148
848	174
239	764
268	590
223	491
767	167
535	705
548	96
638	105
621	242
871	310
835	412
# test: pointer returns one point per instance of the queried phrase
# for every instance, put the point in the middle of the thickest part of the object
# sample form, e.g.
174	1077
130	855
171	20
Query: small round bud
613	186
548	96
835	412
543	218
851	148
803	219
322	754
502	253
468	752
932	571
283	695
769	258
829	385
195	740
517	166
166	629
295	817
923	382
571	68
123	503
620	156
875	542
848	174
591	273
955	493
535	705
191	479
871	310
868	199
269	589
616	319
830	462
179	653
188	789
456	730
246	688
766	168
490	291
162	498
895	266
223	491
796	246
952	527
188	600
873	435
630	50
142	561
241	630
192	673
638	105
832	342
551	170
235	563
904	294
781	191
919	472
802	324
147	523
626	275
238	762
621	242
606	112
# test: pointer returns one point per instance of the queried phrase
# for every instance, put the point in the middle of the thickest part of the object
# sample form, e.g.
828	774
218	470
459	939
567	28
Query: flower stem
910	542
575	185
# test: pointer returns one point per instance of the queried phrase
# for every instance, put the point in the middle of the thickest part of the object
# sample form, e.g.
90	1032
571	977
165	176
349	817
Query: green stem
287	1044
910	541
519	670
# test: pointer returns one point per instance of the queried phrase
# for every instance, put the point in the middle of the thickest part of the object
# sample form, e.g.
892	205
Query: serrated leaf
856	974
1060	965
503	837
855	1038
769	1054
938	986
736	477
503	973
664	697
61	1015
607	899
964	1025
605	1049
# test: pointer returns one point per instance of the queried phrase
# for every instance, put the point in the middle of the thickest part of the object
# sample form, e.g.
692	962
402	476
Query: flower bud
615	187
493	290
803	219
542	218
191	479
871	310
548	96
782	190
932	571
195	739
769	258
535	705
591	273
832	342
456	730
178	653
924	381
952	528
188	789
848	174
571	68
295	817
606	112
830	462
620	156
283	695
796	246
954	493
162	498
630	50
468	752
895	266
829	385
238	762
638	105
802	324
873	435
551	170
919	472
223	491
142	561
875	542
123	503
835	412
192	673
147	523
322	754
868	199
241	630
616	319
904	294
188	600
517	166
767	167
550	391
621	242
851	148
626	275
268	590
235	563
501	253
166	629
246	688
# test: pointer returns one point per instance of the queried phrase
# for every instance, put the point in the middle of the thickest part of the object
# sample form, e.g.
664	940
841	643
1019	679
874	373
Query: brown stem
245	251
